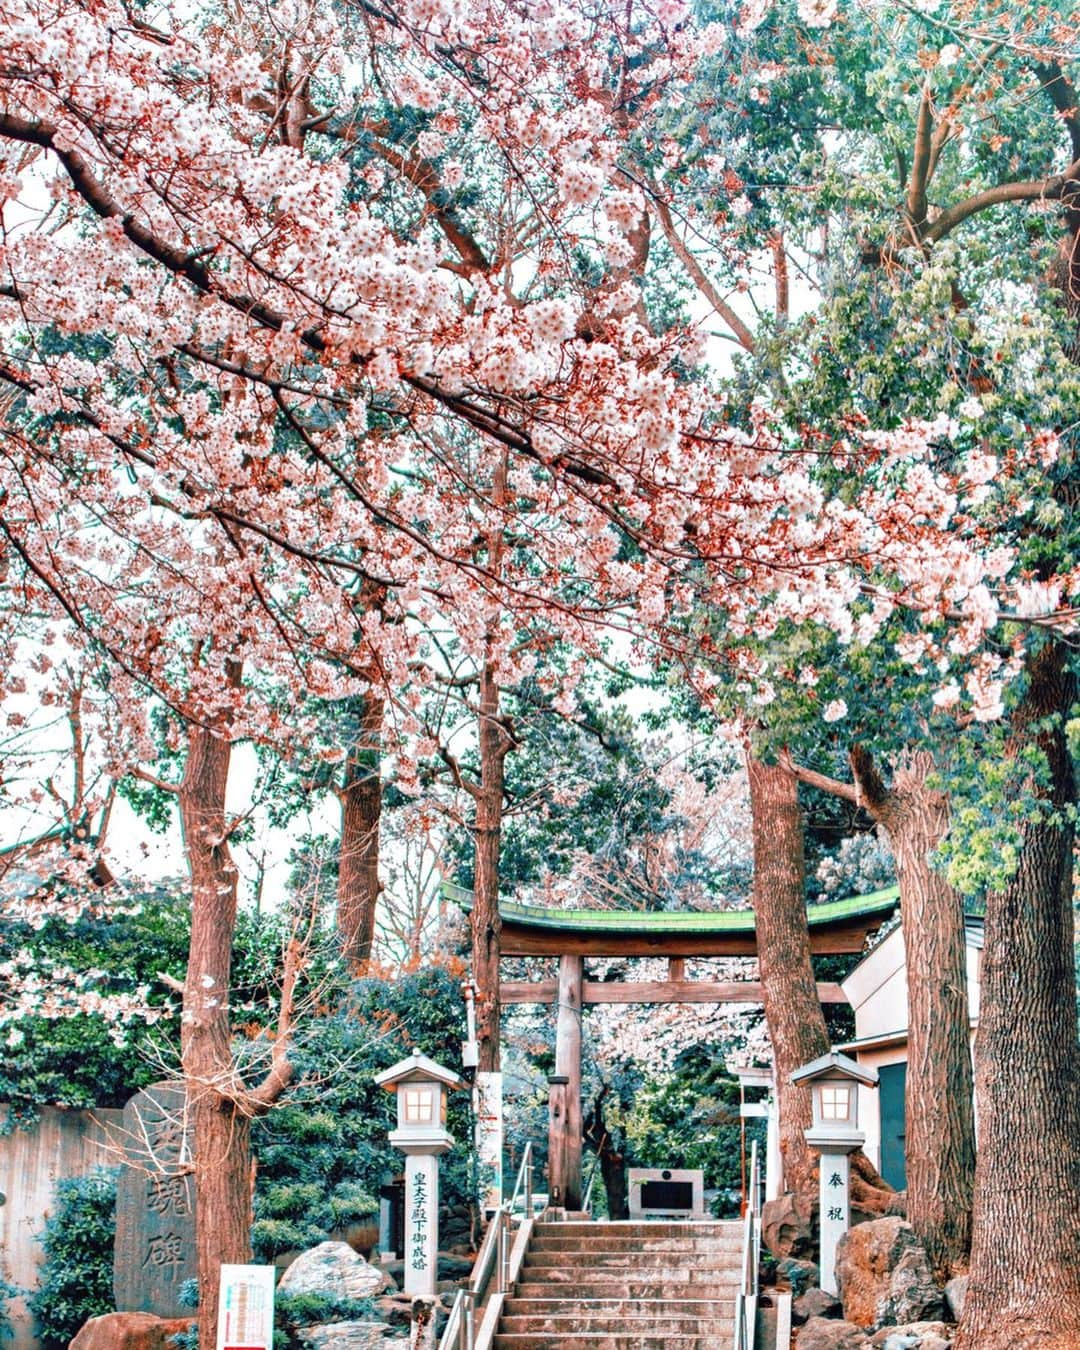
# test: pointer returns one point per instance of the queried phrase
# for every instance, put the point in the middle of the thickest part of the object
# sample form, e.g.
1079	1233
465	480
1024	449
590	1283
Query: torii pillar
564	1102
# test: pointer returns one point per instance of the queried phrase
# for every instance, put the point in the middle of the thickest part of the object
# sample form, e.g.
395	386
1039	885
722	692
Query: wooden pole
568	1065
556	1140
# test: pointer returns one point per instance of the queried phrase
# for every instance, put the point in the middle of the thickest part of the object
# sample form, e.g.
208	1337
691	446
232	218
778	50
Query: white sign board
246	1308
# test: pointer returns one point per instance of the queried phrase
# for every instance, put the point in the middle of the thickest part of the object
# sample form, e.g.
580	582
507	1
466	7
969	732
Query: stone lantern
421	1088
834	1082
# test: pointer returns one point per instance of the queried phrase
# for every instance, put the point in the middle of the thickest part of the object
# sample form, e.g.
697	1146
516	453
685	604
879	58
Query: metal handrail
746	1299
586	1199
493	1258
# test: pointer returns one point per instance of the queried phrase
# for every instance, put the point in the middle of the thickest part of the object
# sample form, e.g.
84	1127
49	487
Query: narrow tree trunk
487	835
222	1163
1024	1292
939	1148
358	885
789	991
611	1160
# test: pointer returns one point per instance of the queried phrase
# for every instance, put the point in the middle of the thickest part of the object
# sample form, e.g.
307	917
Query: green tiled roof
676	921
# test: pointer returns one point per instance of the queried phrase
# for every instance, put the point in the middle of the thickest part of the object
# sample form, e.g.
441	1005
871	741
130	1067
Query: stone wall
61	1144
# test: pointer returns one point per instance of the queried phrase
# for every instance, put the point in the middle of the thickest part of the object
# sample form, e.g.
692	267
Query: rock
955	1293
453	1267
334	1269
787	1227
799	1276
915	1336
129	1331
394	1309
814	1303
884	1275
822	1333
345	1335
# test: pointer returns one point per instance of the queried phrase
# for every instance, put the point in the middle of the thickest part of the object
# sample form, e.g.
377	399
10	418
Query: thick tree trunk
1024	1292
940	1128
358	885
487	835
789	991
222	1162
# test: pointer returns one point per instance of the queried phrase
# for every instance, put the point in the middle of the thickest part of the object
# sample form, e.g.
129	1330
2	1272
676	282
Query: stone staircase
625	1286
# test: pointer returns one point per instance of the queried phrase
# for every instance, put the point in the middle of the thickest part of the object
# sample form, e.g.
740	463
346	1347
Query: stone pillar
774	1162
835	1207
421	1224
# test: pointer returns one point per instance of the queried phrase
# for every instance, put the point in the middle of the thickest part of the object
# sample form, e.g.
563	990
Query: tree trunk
939	1148
611	1160
222	1163
358	885
789	991
487	834
1024	1292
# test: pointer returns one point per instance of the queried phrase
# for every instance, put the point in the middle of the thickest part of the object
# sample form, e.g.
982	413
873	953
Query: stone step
602	1243
583	1262
547	1341
571	1323
580	1286
619	1307
640	1228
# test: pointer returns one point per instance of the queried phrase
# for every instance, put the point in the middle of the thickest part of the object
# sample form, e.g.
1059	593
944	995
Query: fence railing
747	1296
493	1261
590	1184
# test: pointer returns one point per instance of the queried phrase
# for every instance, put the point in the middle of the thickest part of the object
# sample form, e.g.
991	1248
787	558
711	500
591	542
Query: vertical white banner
488	1104
246	1308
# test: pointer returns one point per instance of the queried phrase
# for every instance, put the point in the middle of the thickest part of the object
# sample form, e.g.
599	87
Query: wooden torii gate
840	926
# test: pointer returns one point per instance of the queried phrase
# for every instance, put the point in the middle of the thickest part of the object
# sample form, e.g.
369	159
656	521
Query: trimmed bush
76	1277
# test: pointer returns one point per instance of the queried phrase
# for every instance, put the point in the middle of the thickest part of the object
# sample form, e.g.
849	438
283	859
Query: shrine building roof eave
534	930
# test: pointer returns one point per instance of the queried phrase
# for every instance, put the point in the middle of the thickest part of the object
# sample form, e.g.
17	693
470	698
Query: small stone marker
155	1205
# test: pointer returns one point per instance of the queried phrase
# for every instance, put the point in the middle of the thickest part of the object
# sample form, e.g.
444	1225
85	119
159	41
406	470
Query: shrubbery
76	1277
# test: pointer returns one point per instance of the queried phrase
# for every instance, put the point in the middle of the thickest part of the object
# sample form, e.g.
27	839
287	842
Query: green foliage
294	1312
322	1157
691	1119
7	1291
81	1061
76	1276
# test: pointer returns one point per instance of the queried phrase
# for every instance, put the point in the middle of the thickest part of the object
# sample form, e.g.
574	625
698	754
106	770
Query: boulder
333	1269
814	1303
395	1309
955	1293
345	1335
787	1226
452	1267
799	1276
885	1277
129	1331
823	1333
916	1336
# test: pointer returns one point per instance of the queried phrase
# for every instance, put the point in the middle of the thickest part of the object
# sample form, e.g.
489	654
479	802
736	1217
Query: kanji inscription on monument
155	1204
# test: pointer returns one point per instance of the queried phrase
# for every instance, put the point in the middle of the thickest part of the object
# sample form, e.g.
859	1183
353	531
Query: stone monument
155	1204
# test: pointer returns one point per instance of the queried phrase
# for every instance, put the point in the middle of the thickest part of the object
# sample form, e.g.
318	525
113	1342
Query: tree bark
1024	1292
358	886
612	1160
789	991
487	834
793	1013
222	1164
939	1148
